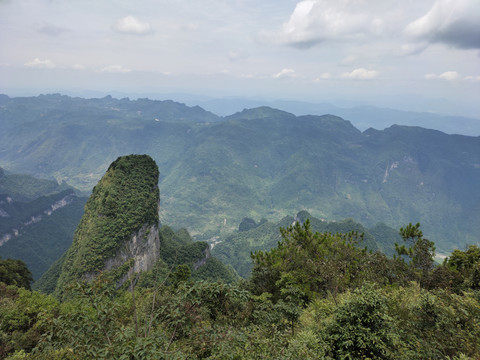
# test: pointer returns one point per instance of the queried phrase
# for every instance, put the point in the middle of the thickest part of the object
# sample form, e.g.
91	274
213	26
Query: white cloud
326	76
413	48
361	74
115	69
323	77
285	73
430	76
447	75
472	78
349	60
132	25
316	21
453	22
41	64
78	67
235	55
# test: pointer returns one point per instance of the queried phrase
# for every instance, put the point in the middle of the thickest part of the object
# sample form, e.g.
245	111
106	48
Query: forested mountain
126	289
37	220
118	235
257	163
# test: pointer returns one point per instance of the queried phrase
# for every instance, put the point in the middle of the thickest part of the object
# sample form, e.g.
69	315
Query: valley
261	162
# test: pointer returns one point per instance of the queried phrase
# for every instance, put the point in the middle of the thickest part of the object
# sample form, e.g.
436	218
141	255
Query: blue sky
379	52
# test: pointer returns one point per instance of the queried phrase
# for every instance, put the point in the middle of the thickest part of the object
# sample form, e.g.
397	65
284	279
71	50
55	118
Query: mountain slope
118	235
46	234
37	219
118	231
21	187
257	163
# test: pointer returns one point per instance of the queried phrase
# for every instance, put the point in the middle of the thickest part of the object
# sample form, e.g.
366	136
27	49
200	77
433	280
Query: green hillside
41	243
235	249
257	163
37	219
21	187
312	296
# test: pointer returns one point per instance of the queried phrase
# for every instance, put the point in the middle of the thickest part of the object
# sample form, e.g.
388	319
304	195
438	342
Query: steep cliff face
202	261
140	252
118	232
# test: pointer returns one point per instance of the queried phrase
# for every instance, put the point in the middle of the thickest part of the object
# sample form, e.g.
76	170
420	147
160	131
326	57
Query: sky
418	54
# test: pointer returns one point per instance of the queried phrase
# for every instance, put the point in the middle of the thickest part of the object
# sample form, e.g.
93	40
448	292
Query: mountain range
260	162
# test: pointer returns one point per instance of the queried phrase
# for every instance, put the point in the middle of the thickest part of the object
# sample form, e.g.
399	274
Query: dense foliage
235	249
181	257
315	296
15	272
124	200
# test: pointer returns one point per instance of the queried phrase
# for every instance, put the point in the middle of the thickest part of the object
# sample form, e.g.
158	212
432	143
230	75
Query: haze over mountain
384	53
361	116
258	163
260	123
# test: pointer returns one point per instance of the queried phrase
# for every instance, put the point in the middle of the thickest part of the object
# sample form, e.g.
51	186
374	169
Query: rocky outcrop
118	233
143	249
203	260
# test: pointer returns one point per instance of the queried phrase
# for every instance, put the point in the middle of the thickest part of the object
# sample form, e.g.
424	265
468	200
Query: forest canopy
315	295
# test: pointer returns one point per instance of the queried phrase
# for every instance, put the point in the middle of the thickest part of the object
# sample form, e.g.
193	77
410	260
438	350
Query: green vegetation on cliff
124	200
178	252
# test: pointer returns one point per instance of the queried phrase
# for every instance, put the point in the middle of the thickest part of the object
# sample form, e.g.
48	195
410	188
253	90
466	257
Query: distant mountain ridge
257	163
362	117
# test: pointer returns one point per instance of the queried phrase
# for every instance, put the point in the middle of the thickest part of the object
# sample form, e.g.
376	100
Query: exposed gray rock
143	247
202	261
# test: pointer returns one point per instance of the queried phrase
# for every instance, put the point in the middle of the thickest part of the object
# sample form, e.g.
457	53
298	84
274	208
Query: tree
361	327
24	317
316	263
467	264
421	251
15	272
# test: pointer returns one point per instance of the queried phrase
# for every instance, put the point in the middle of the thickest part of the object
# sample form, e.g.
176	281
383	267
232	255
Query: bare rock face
203	260
142	249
